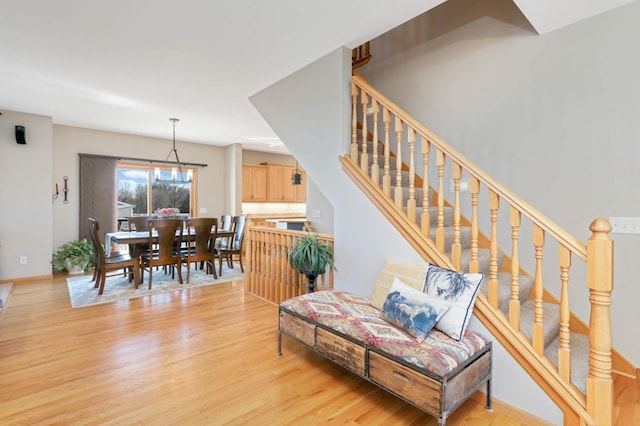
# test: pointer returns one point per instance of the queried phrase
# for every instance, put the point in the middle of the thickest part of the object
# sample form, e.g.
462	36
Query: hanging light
296	176
177	175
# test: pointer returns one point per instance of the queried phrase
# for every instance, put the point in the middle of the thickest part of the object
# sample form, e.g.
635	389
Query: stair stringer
542	371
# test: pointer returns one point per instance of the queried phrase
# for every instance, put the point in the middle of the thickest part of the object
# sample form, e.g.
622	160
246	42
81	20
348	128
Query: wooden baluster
364	157
280	288
260	288
267	277
600	284
440	235
514	301
456	248
474	189
375	168
354	123
290	271
386	178
425	219
494	205
399	129
411	202
564	351
538	292
250	268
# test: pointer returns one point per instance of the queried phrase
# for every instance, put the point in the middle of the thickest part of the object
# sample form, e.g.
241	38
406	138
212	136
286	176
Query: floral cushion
354	316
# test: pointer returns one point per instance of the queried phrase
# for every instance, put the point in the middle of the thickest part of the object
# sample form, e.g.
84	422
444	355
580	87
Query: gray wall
25	198
554	117
310	111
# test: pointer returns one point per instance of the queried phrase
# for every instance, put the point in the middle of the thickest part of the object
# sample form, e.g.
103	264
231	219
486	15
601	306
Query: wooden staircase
532	319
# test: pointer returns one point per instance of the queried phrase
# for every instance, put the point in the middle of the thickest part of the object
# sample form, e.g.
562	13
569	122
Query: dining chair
166	249
140	223
116	261
235	246
199	250
226	224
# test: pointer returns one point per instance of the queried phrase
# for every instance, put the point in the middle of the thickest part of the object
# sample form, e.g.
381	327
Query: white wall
25	197
554	117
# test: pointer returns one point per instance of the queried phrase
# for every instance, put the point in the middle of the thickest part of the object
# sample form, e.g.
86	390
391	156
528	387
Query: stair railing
370	108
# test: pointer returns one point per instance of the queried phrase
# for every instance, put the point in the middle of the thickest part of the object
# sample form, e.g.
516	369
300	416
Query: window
134	198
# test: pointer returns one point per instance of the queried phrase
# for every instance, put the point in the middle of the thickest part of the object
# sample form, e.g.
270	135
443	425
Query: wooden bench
316	321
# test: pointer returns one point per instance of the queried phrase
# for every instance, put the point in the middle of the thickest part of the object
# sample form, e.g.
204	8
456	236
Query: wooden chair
114	262
166	251
199	250
226	224
139	223
235	247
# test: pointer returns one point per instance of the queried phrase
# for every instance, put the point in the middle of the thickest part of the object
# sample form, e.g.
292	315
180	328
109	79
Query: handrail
536	216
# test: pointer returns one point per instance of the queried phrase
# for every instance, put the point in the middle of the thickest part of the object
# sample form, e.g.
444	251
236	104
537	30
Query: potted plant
310	257
74	256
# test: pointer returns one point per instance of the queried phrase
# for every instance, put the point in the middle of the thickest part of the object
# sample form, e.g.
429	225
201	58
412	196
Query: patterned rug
82	292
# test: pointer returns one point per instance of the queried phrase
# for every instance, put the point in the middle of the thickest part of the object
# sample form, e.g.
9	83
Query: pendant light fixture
296	176
177	174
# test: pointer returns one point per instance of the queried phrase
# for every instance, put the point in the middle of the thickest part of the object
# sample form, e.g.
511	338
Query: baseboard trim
509	410
23	279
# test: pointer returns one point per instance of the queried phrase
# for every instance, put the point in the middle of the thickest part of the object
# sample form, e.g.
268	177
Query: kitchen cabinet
254	183
270	182
281	190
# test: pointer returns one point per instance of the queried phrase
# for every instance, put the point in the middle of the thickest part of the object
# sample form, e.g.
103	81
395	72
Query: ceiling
129	65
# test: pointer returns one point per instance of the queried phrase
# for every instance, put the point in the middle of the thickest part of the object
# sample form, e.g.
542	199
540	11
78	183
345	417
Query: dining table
142	237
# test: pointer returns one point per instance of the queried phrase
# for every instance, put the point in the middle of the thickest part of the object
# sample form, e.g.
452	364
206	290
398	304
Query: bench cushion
354	316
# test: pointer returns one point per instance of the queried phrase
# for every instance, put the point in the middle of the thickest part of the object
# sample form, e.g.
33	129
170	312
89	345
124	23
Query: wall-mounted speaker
20	135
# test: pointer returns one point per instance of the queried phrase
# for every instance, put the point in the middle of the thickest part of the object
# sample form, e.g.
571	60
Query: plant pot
73	269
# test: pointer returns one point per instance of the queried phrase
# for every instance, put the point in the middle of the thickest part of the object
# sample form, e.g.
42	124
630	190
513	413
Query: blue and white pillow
412	310
459	289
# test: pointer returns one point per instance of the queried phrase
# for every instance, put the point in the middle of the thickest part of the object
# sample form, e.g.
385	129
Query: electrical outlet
23	260
625	225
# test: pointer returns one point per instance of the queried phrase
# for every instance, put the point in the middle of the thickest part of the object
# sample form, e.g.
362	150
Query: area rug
5	289
116	288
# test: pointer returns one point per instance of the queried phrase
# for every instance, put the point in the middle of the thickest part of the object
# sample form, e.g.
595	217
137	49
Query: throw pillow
412	310
413	274
461	289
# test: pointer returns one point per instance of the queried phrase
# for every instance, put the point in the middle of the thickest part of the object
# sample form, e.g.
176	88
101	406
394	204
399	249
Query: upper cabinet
276	183
254	183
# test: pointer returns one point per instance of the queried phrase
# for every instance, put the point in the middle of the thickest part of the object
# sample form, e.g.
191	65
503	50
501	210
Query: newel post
600	284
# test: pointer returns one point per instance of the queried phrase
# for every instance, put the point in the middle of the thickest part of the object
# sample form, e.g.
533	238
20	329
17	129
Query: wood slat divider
269	275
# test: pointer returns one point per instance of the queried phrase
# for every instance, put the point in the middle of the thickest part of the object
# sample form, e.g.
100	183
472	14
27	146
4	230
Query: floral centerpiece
167	212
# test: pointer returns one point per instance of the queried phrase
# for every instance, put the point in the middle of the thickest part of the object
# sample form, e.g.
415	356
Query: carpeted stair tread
465	237
484	260
525	282
433	216
392	160
551	318
579	345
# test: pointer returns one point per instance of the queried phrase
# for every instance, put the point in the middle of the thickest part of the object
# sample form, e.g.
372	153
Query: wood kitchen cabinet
270	182
254	183
280	188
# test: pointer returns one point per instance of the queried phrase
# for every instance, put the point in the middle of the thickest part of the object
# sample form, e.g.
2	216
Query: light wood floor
205	356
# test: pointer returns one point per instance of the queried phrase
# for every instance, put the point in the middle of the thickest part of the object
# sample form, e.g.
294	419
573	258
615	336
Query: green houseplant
74	256
310	257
